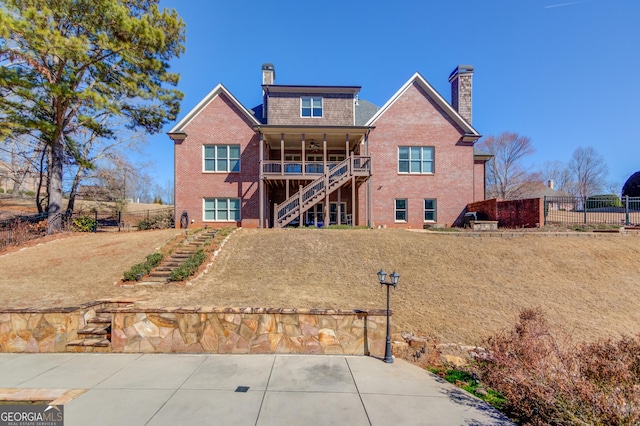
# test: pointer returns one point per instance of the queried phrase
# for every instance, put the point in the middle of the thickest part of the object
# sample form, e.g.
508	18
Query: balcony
275	169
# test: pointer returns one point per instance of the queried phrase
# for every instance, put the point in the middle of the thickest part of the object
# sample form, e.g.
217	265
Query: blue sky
559	71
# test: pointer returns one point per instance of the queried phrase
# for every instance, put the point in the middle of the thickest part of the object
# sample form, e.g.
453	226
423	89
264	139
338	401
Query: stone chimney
550	183
268	74
461	85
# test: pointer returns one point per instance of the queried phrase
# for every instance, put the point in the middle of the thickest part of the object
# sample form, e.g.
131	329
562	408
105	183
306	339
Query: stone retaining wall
249	331
199	329
42	330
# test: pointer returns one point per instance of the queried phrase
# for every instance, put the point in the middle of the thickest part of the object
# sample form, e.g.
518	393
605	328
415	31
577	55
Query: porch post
300	222
346	153
338	208
282	153
353	192
326	180
353	200
261	182
303	157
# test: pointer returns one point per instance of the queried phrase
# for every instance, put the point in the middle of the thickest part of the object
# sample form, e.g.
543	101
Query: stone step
169	264
180	255
100	330
99	320
149	282
94	342
159	274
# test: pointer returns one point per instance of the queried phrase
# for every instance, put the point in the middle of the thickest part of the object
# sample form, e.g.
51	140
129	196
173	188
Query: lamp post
382	275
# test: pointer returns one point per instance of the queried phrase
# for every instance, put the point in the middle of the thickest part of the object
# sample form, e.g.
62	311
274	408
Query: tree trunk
74	190
55	186
39	199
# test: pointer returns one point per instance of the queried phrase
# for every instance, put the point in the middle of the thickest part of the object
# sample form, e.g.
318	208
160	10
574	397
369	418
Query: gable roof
180	126
446	107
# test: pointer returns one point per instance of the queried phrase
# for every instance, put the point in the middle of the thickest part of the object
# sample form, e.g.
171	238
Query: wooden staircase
310	195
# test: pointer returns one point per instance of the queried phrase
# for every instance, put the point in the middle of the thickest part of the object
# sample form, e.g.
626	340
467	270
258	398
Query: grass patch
469	382
141	269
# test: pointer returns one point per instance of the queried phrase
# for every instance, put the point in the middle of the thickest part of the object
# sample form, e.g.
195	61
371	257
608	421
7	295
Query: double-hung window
415	159
310	106
222	158
401	209
429	210
222	209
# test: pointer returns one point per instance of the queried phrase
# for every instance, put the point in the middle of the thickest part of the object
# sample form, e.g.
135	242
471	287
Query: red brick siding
478	180
284	109
528	213
416	120
220	122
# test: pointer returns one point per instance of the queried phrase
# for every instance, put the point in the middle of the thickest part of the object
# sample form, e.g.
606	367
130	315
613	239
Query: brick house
319	154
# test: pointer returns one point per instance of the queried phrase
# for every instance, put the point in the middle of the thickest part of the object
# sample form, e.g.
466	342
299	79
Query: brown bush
550	382
19	232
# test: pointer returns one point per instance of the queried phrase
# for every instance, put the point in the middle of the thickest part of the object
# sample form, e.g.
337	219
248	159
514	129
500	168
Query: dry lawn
72	268
10	206
455	288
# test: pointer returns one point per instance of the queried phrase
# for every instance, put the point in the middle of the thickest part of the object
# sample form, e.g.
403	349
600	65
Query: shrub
84	224
603	200
546	382
142	269
189	266
631	187
30	193
1	190
162	220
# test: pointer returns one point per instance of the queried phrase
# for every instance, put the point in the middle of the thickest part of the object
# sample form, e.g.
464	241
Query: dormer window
311	107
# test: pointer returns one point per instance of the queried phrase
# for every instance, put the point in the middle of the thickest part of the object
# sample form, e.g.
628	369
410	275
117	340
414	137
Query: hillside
456	288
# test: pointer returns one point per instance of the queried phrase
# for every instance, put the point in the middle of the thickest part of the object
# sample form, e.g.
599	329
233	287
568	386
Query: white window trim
416	173
316	210
204	219
216	159
406	210
435	210
343	211
311	98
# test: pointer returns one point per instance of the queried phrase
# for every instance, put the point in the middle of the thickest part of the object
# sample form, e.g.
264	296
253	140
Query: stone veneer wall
199	329
249	331
42	330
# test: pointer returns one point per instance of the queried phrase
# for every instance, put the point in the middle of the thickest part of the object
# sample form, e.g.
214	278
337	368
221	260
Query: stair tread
96	342
99	320
102	329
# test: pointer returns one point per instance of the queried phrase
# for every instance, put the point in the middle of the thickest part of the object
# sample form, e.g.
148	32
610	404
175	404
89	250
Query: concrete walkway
180	389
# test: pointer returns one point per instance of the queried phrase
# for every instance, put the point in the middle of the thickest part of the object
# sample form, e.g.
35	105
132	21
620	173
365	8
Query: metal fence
596	210
19	229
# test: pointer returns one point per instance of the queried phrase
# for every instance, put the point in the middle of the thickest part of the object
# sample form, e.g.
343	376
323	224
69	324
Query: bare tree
589	171
20	154
506	173
559	173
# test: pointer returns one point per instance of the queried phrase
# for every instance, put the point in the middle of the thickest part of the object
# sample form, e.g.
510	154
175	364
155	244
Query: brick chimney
268	74
461	85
